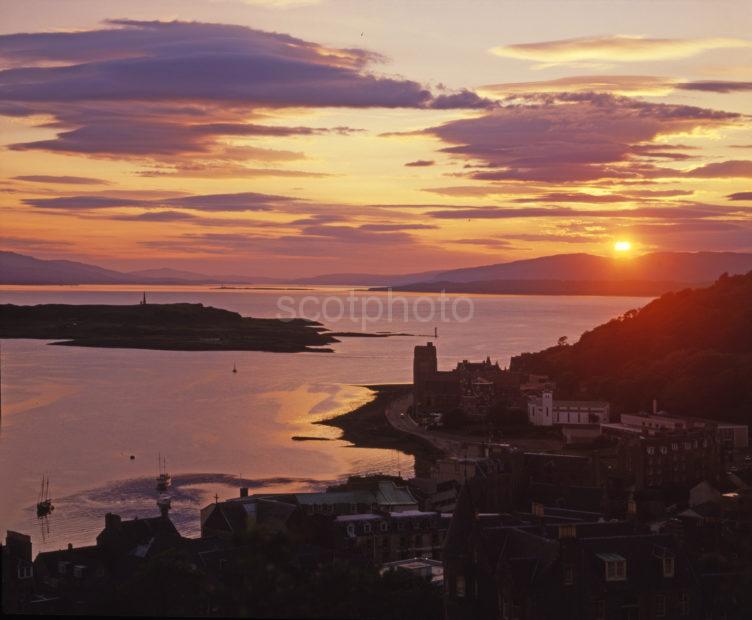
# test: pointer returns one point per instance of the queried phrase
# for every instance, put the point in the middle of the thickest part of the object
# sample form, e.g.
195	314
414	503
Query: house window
353	509
660	605
351	529
568	575
25	571
459	585
668	567
568	531
367	528
684	604
600	610
384	526
616	570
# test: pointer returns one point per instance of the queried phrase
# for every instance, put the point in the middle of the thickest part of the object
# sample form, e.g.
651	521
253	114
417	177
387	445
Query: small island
175	327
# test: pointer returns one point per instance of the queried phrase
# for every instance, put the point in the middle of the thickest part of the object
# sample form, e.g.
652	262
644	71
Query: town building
730	437
17	573
282	510
543	410
563	567
675	456
391	536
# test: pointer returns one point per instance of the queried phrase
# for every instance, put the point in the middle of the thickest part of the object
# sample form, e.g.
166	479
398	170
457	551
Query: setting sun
622	246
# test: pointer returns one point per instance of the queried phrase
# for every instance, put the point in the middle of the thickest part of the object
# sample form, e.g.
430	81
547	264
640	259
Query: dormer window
615	566
459	585
568	531
669	567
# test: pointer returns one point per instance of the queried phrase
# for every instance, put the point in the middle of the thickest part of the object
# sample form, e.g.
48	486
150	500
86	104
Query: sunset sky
298	137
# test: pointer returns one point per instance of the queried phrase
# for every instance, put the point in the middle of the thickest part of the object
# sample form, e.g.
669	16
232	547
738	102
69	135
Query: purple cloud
740	196
244	201
573	137
723	170
716	86
173	89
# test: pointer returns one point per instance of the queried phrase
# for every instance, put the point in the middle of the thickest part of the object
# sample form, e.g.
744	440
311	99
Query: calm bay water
78	414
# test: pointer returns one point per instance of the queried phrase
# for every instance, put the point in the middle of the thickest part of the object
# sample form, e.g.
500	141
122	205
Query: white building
545	411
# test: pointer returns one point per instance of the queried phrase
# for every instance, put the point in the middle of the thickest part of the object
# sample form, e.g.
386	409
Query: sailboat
163	478
234	367
44	505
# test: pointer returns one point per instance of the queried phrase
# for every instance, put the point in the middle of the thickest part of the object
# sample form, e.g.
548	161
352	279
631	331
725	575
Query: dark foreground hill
178	327
691	350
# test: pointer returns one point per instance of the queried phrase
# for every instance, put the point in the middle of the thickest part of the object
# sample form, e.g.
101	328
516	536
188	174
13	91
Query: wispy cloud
734	168
643	85
615	49
63	180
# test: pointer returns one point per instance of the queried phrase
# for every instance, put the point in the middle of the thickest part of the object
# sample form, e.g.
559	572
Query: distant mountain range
584	274
587	274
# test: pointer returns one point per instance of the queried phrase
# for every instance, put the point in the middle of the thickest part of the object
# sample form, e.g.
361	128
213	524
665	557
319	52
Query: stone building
473	387
390	536
665	457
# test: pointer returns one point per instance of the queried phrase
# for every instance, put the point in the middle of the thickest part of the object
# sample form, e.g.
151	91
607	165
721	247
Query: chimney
112	521
70	546
243	491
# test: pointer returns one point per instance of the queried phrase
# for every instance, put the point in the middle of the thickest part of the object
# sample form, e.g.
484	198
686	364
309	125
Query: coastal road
448	443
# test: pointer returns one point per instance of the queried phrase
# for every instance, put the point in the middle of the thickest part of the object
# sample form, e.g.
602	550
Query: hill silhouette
691	350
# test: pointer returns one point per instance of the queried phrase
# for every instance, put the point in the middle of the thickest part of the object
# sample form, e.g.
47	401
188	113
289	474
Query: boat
164	480
44	504
234	368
